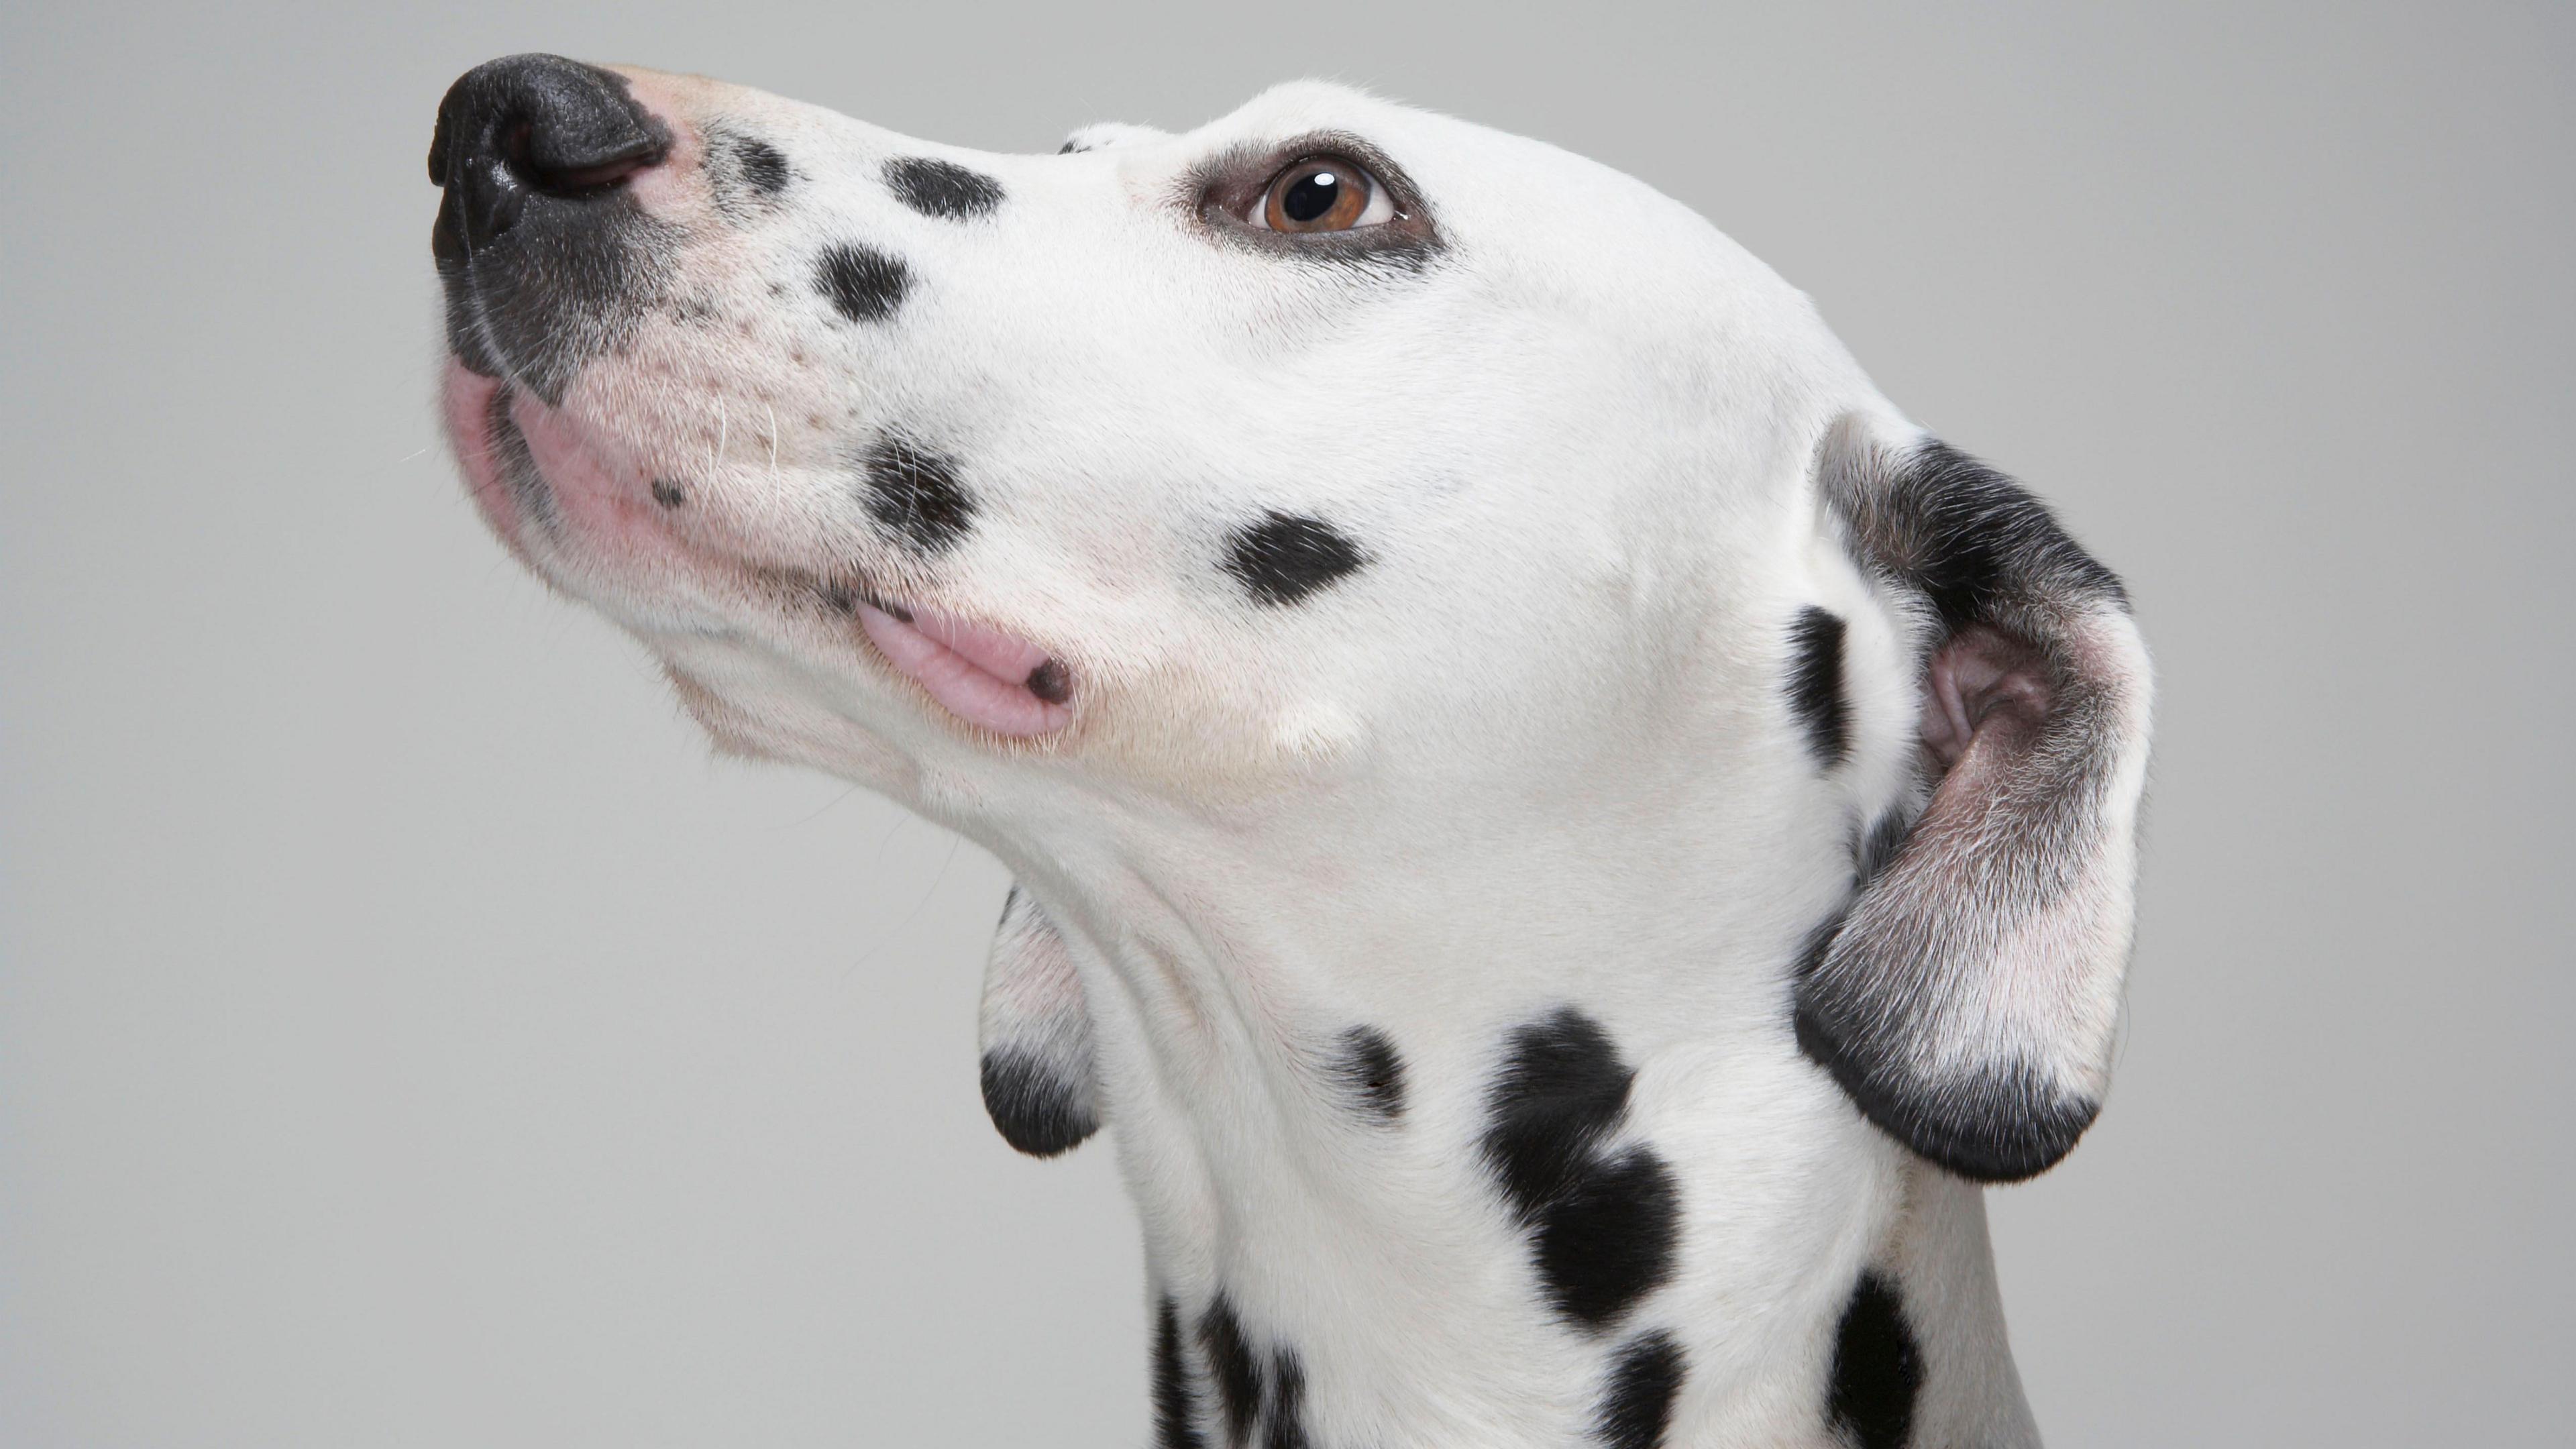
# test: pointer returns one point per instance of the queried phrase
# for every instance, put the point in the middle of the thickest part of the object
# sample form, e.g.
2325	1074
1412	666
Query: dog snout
546	256
529	127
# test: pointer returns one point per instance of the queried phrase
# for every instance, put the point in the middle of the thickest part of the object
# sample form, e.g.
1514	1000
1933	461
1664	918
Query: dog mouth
542	489
989	678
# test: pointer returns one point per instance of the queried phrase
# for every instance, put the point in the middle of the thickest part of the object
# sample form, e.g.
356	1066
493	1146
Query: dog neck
1461	1126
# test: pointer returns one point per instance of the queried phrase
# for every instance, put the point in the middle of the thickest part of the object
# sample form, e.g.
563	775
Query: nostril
536	125
519	152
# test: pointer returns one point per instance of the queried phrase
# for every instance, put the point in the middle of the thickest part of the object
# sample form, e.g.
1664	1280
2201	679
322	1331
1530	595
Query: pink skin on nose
670	185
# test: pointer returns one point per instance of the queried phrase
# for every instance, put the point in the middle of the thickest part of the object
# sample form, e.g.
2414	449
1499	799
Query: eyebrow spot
942	189
763	165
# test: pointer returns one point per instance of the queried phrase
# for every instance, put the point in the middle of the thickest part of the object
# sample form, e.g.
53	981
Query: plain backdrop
408	1037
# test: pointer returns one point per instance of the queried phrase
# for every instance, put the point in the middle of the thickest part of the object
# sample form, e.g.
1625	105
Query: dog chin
539	476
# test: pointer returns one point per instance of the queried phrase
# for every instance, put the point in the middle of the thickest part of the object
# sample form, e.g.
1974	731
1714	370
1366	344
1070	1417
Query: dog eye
1322	193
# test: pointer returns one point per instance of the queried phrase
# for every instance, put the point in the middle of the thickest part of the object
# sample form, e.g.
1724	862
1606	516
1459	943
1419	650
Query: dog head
1309	469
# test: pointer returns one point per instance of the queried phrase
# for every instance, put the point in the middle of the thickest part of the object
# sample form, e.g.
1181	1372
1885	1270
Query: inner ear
1983	683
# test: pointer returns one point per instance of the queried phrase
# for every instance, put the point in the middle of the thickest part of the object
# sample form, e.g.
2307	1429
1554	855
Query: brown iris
1320	193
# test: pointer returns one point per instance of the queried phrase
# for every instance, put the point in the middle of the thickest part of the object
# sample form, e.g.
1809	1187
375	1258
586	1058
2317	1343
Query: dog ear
1039	1085
1968	998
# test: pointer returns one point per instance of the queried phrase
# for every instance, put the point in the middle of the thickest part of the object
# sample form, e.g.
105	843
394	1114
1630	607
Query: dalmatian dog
1568	837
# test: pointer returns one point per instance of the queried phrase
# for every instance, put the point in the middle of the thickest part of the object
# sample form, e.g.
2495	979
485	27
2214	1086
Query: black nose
533	125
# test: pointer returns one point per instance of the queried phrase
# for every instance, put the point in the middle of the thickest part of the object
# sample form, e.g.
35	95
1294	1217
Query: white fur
1535	754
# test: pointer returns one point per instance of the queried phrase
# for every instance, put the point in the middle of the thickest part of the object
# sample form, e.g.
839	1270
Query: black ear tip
1033	1108
1998	1125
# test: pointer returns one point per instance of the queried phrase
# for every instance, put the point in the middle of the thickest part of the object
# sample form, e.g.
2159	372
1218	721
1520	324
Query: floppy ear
1039	1086
1968	998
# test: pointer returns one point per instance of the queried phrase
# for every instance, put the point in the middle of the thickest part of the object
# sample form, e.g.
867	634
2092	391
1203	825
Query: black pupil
1311	195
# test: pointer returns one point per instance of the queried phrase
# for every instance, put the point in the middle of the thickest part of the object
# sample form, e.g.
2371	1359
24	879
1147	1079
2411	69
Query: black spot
1287	1403
1609	1240
1637	1407
1251	1393
745	175
1366	1062
1071	148
1604	1226
914	491
1287	556
669	494
763	165
1561	1090
1877	1369
942	189
1816	684
1176	1406
1051	682
865	284
1237	1375
1035	1109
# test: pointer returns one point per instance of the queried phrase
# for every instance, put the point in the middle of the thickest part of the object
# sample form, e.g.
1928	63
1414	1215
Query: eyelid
1403	231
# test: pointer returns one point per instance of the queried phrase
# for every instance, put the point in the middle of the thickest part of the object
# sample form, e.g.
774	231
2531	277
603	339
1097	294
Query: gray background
408	1037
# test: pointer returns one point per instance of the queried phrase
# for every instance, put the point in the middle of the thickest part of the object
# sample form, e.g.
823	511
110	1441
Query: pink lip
981	675
466	400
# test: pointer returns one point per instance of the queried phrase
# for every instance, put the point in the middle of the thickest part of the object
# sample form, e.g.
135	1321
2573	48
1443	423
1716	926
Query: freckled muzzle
559	241
552	262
